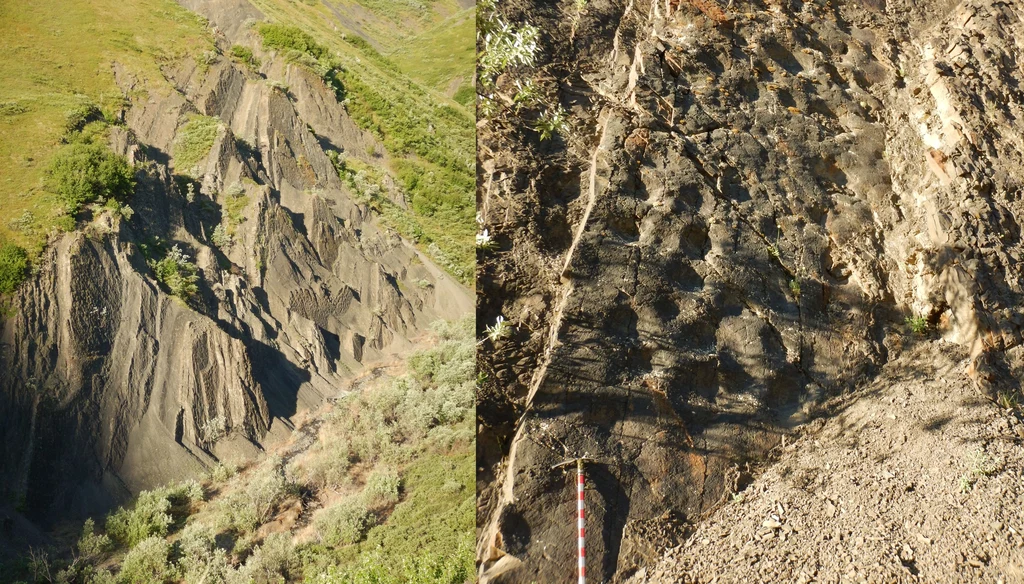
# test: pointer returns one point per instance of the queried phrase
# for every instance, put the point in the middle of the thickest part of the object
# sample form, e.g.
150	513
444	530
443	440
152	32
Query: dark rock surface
736	226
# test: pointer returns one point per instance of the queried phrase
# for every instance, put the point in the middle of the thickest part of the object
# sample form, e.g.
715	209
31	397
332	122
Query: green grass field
58	56
440	56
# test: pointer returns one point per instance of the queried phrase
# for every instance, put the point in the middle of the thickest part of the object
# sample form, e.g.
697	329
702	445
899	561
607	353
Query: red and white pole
579	507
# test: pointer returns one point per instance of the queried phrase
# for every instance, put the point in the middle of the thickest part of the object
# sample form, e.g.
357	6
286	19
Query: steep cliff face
746	205
112	385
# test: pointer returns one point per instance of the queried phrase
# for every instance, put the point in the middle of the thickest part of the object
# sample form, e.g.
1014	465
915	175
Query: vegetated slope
44	80
245	273
440	58
428	137
743	211
374	486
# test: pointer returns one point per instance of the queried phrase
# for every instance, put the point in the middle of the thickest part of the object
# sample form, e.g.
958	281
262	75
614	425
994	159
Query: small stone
771	524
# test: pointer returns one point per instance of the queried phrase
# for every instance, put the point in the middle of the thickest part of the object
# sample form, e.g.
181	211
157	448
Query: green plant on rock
918	325
83	173
504	45
551	123
245	56
13	267
194	141
177	272
499	330
794	287
979	465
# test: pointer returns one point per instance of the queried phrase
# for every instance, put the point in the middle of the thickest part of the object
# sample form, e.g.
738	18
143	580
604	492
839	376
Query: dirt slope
746	204
912	478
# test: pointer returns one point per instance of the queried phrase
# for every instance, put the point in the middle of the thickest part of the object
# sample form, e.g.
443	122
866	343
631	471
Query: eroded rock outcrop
112	385
743	214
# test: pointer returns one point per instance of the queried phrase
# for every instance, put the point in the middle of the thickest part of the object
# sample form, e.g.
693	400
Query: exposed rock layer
745	211
111	385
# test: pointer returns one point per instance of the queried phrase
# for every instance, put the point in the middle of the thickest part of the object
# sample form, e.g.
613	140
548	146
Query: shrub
194	142
84	173
149	518
284	37
252	506
221	473
382	486
200	558
76	118
91	545
147	563
244	55
220	236
13	267
327	464
176	271
343	523
269	563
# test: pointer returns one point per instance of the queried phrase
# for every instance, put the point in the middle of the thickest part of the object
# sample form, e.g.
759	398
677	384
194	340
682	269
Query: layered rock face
111	385
750	202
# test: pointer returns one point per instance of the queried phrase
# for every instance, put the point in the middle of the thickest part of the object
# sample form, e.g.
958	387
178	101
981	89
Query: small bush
13	267
344	523
245	56
176	271
327	464
194	142
221	473
85	173
220	237
76	118
284	37
147	563
253	505
382	486
149	518
91	545
918	324
269	563
200	558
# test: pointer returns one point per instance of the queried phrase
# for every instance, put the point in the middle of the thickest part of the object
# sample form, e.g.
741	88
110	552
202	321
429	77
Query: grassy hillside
440	58
378	488
430	136
57	59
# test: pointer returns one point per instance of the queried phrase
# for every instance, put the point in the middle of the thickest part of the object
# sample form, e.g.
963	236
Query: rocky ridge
111	385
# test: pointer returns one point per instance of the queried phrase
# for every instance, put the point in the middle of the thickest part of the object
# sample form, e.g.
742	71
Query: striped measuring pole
579	507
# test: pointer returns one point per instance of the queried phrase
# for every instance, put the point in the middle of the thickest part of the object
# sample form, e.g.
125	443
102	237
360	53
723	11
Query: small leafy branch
484	241
579	6
501	329
551	123
504	45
